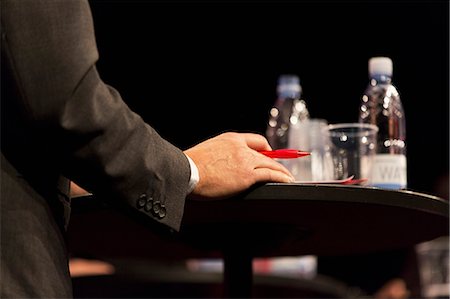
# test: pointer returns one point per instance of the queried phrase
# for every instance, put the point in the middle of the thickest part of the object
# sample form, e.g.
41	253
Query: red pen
285	153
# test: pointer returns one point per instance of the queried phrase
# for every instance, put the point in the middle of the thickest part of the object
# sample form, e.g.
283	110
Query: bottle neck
380	79
288	94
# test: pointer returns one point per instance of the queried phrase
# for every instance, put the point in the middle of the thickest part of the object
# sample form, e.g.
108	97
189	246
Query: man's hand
230	163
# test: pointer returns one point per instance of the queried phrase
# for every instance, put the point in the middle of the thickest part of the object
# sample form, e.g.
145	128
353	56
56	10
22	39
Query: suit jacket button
148	206
162	212
156	207
142	200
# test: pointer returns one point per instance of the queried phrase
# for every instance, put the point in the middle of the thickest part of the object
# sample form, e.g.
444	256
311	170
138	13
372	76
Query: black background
193	69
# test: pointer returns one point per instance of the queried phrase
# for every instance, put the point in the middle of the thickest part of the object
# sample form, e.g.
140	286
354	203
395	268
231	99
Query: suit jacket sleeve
94	136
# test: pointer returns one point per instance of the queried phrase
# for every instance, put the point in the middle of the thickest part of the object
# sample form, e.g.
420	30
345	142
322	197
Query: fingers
277	167
271	165
276	171
269	175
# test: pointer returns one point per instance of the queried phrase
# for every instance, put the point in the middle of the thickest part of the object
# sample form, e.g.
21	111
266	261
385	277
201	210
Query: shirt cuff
195	177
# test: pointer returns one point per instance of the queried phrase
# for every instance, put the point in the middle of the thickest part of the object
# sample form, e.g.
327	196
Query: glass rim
370	127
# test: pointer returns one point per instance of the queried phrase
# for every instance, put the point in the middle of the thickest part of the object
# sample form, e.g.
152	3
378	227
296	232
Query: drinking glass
352	147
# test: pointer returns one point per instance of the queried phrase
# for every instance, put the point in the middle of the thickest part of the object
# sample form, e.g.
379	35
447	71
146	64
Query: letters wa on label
389	169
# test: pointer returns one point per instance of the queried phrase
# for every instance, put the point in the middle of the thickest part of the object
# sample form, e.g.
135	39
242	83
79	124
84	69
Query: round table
266	221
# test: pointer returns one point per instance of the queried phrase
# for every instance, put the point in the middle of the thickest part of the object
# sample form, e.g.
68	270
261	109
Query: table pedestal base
238	274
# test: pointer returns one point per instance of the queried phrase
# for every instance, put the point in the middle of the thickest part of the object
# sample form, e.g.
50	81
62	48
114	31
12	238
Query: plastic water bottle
381	106
288	110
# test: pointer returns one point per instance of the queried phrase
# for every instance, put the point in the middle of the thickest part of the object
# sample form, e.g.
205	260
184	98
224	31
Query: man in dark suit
60	120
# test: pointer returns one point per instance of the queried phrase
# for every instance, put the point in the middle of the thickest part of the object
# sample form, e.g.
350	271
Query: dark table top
269	220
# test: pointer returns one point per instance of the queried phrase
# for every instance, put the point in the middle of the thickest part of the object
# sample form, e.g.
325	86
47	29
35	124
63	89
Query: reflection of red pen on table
285	153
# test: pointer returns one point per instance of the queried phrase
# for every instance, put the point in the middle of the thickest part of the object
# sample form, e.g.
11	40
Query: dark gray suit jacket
59	118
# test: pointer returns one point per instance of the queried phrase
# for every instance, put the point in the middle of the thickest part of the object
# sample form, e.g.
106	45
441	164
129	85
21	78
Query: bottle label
389	171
